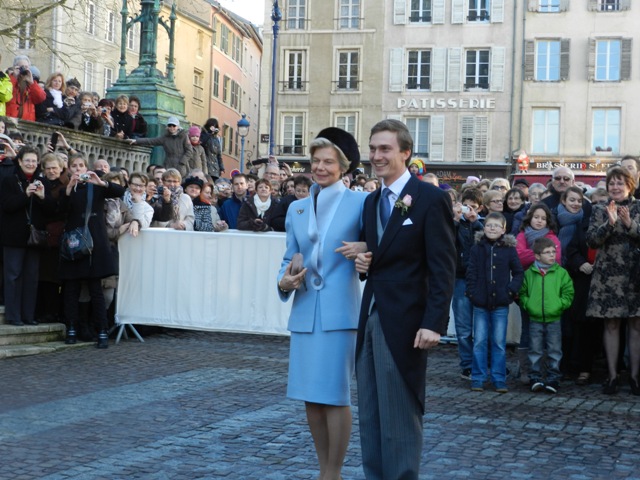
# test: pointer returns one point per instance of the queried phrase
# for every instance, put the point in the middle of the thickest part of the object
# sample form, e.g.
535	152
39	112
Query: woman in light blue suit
325	229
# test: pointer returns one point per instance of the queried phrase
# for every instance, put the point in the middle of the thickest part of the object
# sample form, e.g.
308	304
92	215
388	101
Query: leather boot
103	339
70	338
523	360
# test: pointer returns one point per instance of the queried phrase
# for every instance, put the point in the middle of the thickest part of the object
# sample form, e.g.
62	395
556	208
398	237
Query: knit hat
35	72
418	163
192	181
521	181
345	142
73	82
472	178
173	121
194	131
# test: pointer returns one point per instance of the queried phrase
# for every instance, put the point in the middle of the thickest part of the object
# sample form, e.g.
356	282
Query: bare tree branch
25	14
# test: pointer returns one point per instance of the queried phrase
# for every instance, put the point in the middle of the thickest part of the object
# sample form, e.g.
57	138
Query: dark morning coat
412	275
101	263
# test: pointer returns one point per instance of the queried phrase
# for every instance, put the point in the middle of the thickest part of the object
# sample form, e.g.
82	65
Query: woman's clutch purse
297	264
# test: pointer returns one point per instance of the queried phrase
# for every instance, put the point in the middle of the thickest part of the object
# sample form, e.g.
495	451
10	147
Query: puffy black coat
465	239
15	207
494	274
101	263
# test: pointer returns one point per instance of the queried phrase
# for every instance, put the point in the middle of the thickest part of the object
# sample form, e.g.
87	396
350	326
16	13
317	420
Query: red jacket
32	97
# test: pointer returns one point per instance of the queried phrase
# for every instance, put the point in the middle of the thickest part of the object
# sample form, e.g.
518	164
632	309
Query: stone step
8	351
29	334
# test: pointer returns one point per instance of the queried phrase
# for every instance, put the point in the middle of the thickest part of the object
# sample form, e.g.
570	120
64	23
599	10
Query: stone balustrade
117	152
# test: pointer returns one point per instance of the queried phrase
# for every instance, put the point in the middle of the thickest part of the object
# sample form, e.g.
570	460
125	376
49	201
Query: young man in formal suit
410	270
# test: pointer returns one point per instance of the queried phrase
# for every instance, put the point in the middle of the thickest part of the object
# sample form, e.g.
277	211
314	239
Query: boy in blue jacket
547	291
494	277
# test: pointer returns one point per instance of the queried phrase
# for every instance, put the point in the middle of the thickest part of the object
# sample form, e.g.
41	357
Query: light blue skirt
321	365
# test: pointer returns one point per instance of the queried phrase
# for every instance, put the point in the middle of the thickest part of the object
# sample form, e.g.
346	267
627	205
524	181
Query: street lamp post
276	16
243	131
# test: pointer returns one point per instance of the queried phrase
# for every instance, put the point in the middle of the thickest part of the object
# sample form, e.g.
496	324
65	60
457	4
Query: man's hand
426	339
363	262
350	250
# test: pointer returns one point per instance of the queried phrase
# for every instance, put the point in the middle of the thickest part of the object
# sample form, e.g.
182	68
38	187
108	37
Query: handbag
77	244
37	238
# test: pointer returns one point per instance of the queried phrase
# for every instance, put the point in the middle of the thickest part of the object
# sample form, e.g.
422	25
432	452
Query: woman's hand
31	189
363	262
586	268
623	215
124	227
120	135
457	211
178	225
220	226
351	249
290	282
134	228
612	210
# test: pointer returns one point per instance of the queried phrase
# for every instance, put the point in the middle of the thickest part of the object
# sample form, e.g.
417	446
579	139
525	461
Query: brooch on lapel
404	204
300	210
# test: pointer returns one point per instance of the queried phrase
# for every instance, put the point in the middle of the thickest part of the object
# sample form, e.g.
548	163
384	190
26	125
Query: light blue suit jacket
332	284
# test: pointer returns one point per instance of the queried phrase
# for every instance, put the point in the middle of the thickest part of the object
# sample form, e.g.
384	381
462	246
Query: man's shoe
71	338
16	323
466	374
502	388
477	387
551	387
536	386
103	339
31	322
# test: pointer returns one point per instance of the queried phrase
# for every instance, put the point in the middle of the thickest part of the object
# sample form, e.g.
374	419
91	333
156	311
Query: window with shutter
436	147
454	70
608	60
565	50
548	6
438	66
497	11
438	9
548	60
479	11
476	69
395	69
419	129
457	11
474	139
625	60
418	69
420	11
399	12
529	59
496	83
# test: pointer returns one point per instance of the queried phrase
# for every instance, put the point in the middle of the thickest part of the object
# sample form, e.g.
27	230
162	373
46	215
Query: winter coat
57	117
213	152
465	239
546	295
101	263
177	149
28	100
15	208
198	159
494	274
122	122
526	255
248	213
138	126
280	213
615	283
6	92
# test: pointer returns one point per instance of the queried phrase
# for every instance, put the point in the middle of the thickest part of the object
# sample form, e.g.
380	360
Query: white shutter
454	70
625	4
497	11
591	68
399	12
466	139
481	139
592	5
529	59
438	69
436	145
625	59
496	80
565	51
396	59
437	12
564	5
533	5
457	11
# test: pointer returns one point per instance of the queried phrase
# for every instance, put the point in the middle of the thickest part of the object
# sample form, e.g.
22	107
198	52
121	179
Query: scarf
57	97
543	267
531	235
261	206
568	223
128	201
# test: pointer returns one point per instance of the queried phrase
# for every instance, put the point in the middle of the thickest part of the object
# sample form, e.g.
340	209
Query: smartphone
54	139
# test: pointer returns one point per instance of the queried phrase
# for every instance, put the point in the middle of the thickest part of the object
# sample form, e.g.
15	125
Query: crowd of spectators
594	232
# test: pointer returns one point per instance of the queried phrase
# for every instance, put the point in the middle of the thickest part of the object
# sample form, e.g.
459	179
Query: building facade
576	89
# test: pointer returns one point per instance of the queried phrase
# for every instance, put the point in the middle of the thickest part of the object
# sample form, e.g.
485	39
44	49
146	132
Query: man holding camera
26	92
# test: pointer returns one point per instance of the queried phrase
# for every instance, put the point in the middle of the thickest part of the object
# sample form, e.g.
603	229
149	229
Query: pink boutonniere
404	204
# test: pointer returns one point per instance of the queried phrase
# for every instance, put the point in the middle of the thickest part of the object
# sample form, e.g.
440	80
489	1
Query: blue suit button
317	281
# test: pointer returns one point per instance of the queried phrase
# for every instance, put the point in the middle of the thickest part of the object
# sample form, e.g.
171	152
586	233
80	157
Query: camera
104	110
465	209
37	183
24	70
160	190
85	177
214	130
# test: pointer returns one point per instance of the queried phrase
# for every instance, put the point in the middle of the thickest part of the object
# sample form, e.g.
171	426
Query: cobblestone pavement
194	405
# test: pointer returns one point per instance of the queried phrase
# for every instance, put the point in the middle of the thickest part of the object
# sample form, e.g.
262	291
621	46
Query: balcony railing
423	85
483	16
349	23
291	149
117	152
417	18
295	23
293	86
476	86
346	85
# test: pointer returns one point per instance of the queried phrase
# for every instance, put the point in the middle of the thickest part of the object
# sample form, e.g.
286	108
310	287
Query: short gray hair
321	142
18	58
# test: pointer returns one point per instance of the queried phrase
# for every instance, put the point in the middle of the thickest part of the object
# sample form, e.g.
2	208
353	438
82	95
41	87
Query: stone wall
117	152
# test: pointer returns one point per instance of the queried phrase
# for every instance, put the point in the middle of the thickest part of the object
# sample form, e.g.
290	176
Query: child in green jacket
547	291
